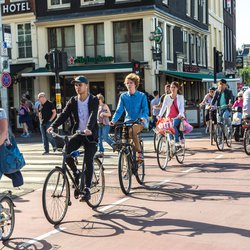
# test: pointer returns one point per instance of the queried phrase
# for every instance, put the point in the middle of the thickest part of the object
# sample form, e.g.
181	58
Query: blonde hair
101	97
133	77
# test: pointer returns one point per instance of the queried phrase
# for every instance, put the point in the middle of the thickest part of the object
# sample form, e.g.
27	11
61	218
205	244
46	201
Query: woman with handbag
173	108
103	123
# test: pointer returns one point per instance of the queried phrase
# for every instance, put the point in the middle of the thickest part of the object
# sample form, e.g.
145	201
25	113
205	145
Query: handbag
11	159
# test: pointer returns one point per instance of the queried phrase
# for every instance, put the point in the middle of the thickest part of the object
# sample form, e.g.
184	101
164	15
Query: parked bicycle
246	137
223	132
56	189
127	164
166	151
7	217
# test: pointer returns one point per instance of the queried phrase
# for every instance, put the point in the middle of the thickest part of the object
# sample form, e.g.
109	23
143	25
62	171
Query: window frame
170	49
188	8
92	2
186	40
58	6
25	41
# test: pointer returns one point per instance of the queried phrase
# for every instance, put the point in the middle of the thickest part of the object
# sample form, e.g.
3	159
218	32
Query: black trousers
90	148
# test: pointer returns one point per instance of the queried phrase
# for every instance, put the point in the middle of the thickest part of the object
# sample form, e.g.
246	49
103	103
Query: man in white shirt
246	102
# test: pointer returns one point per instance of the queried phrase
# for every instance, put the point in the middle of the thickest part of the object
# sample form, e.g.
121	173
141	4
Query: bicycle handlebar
129	123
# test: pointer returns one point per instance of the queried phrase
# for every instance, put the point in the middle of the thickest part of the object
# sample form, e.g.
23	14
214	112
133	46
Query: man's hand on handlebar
87	132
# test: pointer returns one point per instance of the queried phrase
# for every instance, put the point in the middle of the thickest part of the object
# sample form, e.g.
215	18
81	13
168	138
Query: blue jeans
177	133
46	137
226	117
103	135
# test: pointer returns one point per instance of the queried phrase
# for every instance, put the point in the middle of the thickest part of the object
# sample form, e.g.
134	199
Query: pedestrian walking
103	123
47	113
154	111
24	117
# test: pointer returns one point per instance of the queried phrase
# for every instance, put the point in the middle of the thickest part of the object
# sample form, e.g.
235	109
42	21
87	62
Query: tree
245	74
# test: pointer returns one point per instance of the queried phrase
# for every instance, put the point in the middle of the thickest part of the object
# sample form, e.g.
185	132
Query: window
128	40
186	46
199	50
62	38
193	52
188	7
165	2
196	9
228	5
94	40
204	9
24	40
169	42
92	2
53	4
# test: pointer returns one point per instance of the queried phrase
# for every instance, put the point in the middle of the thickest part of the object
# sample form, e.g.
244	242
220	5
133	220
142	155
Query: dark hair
156	92
223	81
178	86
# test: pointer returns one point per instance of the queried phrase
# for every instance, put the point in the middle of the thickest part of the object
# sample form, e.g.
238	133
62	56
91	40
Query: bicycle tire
162	153
156	138
246	141
140	171
7	217
180	155
219	137
97	186
211	132
55	191
124	172
229	137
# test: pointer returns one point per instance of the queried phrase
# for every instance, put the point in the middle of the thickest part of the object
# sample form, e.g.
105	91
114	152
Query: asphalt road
201	204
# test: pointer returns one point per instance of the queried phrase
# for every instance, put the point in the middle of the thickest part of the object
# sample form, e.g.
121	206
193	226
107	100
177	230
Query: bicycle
211	126
56	188
157	137
166	151
7	217
246	136
127	164
223	132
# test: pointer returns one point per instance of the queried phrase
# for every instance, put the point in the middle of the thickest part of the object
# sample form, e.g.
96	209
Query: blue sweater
135	106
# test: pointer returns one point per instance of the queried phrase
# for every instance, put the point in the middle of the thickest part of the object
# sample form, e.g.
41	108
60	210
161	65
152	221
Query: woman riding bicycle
173	106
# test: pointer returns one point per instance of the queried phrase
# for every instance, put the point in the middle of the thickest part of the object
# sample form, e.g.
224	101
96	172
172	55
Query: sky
242	22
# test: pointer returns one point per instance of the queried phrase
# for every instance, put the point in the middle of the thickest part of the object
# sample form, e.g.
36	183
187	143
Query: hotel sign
16	8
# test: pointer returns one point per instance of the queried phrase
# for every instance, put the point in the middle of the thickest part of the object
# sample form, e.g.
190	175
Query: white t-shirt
83	113
246	102
2	114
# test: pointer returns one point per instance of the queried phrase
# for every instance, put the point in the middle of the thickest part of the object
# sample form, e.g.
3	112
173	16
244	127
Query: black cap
223	81
212	88
80	79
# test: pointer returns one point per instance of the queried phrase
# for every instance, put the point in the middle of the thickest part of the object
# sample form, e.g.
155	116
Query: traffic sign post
6	79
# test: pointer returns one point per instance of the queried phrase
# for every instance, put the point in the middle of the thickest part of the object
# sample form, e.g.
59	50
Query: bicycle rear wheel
156	139
55	196
7	217
140	169
246	141
163	153
124	172
180	154
219	137
97	186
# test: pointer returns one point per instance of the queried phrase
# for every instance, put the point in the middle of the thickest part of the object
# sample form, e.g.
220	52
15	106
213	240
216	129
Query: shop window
97	88
24	40
62	38
54	4
94	40
91	2
128	40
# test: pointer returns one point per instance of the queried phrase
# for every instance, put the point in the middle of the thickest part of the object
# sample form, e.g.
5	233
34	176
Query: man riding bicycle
83	108
134	103
246	102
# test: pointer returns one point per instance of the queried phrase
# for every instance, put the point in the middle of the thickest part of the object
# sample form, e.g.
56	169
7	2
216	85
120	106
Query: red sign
191	68
6	79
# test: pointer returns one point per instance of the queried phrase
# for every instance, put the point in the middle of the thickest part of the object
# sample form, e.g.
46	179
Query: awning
86	69
18	69
187	75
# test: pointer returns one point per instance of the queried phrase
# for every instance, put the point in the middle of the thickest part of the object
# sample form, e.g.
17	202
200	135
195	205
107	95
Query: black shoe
45	153
86	195
77	177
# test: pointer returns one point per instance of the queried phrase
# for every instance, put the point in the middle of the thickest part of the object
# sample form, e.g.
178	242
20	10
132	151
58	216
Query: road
202	204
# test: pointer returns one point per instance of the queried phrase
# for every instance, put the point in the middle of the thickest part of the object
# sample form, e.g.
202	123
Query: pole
4	93
215	64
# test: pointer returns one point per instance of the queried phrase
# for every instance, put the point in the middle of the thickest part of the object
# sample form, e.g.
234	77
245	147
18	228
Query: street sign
6	79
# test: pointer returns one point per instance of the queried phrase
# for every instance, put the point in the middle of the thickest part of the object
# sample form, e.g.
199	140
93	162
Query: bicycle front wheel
229	136
124	172
56	195
246	141
97	186
219	137
180	154
140	172
211	132
163	153
7	217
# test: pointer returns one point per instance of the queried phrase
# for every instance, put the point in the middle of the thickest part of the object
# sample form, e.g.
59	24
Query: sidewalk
36	137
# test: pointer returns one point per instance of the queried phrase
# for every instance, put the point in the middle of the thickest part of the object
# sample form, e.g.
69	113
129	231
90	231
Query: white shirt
246	102
2	114
83	113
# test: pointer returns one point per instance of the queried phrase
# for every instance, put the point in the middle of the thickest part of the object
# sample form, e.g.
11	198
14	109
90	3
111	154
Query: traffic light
136	67
56	60
218	62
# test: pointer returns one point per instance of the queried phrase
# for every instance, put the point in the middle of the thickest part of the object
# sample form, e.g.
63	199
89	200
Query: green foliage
245	74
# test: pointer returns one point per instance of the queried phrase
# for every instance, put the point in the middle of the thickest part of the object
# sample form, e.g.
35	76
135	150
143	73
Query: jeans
46	137
90	149
177	134
226	117
103	135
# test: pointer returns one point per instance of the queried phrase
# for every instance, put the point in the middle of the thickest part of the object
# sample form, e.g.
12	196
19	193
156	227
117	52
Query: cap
80	79
223	81
212	88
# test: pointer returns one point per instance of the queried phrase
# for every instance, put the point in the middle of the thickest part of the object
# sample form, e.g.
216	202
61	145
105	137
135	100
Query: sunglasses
240	96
